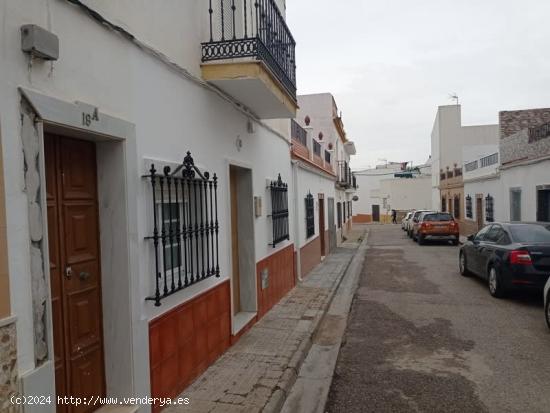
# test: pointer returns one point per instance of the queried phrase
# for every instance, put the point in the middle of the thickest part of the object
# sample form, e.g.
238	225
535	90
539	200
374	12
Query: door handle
68	272
84	275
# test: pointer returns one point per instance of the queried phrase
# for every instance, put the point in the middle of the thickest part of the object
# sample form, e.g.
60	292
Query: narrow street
422	338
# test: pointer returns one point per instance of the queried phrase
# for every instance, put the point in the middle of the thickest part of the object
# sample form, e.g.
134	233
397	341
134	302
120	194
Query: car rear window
438	217
530	233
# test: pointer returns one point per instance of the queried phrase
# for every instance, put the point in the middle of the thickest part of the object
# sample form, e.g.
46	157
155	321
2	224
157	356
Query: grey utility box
39	42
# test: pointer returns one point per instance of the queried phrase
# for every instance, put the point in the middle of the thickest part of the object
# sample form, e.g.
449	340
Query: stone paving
256	374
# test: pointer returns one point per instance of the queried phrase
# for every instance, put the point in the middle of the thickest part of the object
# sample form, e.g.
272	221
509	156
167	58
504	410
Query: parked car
509	256
547	303
412	219
404	220
435	226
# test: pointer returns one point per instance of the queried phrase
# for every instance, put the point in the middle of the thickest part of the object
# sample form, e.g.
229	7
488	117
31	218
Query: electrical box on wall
39	42
258	206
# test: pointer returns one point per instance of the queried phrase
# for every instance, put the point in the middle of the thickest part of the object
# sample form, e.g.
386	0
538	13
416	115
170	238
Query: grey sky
390	63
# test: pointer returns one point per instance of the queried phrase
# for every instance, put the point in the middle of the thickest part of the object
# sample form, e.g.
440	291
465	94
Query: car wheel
495	284
547	310
420	239
463	265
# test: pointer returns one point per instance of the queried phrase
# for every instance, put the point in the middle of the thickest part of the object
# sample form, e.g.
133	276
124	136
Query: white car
404	220
547	302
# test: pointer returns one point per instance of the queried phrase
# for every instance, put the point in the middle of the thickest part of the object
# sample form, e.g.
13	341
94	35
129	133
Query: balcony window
344	174
310	216
252	29
327	157
185	227
298	133
279	211
316	148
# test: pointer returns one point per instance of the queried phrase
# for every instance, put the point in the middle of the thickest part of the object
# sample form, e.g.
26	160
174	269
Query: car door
473	255
488	246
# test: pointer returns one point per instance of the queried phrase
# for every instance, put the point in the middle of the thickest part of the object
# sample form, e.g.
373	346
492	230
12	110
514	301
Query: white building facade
127	280
324	185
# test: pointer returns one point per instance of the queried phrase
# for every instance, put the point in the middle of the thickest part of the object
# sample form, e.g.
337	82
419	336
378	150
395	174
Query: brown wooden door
322	223
73	236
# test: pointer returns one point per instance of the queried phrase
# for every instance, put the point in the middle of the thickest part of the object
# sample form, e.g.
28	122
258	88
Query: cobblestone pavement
256	374
422	338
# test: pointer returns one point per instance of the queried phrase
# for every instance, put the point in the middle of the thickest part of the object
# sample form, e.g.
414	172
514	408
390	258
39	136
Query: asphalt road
422	338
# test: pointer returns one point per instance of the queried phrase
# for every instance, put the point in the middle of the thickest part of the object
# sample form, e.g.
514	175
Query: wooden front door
73	235
376	213
322	223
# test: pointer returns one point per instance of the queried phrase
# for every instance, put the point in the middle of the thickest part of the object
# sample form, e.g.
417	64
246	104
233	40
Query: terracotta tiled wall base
281	278
8	368
187	339
310	256
362	218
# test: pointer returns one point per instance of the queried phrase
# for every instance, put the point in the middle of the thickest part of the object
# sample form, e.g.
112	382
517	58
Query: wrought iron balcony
252	29
344	175
298	133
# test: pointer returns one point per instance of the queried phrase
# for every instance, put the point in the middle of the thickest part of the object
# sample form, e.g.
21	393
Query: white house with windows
323	182
148	188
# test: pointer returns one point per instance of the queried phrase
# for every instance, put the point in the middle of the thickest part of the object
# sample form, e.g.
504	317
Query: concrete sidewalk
257	373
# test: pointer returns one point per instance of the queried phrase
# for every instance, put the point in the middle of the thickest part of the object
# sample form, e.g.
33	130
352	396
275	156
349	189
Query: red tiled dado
310	256
186	340
281	278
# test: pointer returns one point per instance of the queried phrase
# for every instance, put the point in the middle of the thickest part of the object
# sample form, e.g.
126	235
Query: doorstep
257	373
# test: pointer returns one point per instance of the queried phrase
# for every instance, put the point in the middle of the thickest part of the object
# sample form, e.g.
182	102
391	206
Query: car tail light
425	225
520	257
454	225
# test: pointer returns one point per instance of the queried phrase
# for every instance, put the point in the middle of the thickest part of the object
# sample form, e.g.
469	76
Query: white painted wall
490	185
407	193
448	139
472	153
171	113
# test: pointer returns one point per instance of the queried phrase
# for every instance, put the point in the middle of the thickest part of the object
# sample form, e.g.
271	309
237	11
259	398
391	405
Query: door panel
376	213
235	279
322	223
73	236
331	225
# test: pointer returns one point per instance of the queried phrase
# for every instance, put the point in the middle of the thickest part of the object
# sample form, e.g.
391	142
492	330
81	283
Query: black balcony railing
185	227
344	175
298	133
316	148
254	29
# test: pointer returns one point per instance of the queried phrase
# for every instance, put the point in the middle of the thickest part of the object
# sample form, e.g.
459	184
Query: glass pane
530	233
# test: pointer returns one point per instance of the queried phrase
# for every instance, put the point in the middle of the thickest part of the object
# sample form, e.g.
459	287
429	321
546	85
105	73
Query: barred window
279	211
339	214
469	208
185	227
443	204
310	216
489	208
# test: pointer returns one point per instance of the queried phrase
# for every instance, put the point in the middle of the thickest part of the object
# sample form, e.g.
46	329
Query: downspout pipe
295	167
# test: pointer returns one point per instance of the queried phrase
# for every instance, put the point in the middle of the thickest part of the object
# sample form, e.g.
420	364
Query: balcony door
73	237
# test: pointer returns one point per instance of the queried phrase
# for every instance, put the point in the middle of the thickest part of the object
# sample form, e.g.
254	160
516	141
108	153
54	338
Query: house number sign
88	118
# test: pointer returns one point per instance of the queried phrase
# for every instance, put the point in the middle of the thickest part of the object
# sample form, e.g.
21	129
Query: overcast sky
390	63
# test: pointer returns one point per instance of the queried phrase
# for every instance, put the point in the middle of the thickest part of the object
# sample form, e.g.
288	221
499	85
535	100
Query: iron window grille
456	207
310	216
489	160
489	208
298	133
316	148
339	214
470	166
469	207
255	29
279	211
185	227
443	204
